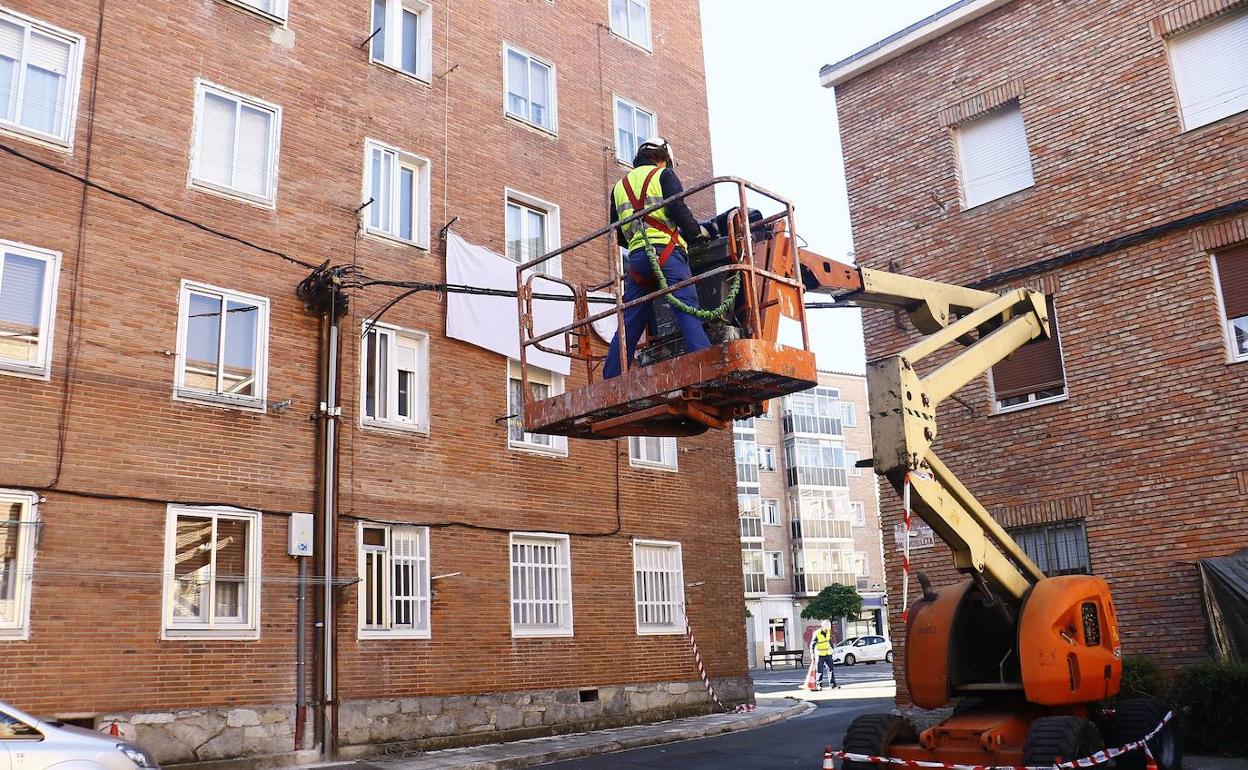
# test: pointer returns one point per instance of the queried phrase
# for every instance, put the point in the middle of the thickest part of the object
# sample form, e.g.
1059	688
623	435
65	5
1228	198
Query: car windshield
845	642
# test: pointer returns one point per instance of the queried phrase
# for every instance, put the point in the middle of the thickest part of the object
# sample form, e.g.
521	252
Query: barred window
660	589
541	585
1060	548
394	581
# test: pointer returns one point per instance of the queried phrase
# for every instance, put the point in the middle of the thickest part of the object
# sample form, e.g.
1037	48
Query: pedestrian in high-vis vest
667	231
821	647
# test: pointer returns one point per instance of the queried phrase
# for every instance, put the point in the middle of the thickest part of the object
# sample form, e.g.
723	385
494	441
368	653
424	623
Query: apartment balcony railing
751	528
816	476
814	582
824	529
810	423
755	583
747	473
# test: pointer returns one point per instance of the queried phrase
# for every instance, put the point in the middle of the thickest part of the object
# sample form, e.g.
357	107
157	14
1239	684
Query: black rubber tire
850	659
873	734
888	657
1060	739
1132	720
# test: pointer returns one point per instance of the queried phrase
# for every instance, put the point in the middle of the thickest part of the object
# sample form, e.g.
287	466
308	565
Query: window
395	383
28	278
1057	549
39	73
542	385
532	229
766	458
753	568
394	581
814	462
236	139
1230	269
659	586
778	633
530	89
633	125
630	19
746	451
775	564
222	346
858	511
993	157
851	463
1210	66
813	411
652	451
769	509
212	573
14	729
17	560
274	9
403	36
541	585
849	417
396	194
1033	374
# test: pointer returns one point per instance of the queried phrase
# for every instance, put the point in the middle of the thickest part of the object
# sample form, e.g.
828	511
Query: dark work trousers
825	661
636	319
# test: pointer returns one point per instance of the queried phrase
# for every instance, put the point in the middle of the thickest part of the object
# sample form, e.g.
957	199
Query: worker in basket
661	234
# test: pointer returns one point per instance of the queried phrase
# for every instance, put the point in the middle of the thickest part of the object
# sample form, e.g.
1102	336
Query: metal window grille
659	586
540	584
1060	548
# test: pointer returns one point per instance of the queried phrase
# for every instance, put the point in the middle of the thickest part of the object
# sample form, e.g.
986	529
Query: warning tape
743	708
906	513
1099	758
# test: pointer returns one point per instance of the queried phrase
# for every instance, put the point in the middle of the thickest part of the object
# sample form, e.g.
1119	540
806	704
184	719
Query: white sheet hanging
492	322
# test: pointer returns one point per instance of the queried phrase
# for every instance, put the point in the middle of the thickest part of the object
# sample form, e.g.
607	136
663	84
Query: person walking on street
821	648
664	231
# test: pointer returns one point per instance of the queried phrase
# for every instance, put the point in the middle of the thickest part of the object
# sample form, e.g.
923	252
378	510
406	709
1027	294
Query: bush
1213	702
1141	676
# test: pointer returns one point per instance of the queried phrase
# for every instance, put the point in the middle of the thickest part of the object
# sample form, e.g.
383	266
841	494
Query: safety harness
638	203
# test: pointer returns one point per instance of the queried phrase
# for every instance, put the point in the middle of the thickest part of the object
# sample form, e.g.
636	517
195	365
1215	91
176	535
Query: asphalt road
793	743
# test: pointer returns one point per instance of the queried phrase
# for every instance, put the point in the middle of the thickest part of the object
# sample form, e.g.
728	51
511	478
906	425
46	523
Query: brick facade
1144	448
95	614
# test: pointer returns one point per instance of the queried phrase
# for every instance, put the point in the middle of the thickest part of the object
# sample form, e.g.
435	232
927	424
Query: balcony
814	582
816	476
751	528
823	529
755	583
809	423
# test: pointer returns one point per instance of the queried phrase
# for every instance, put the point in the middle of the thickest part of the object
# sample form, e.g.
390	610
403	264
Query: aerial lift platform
1026	658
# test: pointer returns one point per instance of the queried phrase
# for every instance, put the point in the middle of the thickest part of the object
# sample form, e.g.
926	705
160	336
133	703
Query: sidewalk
535	751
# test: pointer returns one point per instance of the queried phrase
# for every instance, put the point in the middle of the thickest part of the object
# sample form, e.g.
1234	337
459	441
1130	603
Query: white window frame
634	108
968	201
554	238
767	458
42	369
553	96
1032	400
851	462
269	199
417	422
645	44
563	586
1190	121
858	513
1228	324
256	403
422	168
392	56
558	446
73	81
769	510
27	535
770	560
250	628
667	451
849	415
279	14
423	628
676	584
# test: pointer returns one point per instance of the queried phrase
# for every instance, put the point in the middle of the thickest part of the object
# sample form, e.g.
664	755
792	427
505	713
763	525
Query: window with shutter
1210	65
993	157
529	86
396	194
1231	269
542	384
1033	374
28	278
531	230
394	590
652	451
235	144
394	381
39	67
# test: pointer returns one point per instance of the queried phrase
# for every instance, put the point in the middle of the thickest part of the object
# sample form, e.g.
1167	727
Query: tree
835	601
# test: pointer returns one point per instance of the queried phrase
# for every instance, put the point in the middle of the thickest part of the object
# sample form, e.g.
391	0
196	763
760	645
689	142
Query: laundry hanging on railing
491	322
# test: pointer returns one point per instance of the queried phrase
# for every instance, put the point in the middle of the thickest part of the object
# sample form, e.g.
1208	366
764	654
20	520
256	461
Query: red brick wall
125	436
1145	444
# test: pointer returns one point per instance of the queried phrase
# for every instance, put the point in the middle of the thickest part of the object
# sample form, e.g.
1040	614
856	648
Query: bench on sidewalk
797	656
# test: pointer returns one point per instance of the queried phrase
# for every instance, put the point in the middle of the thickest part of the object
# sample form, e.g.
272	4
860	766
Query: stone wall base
264	736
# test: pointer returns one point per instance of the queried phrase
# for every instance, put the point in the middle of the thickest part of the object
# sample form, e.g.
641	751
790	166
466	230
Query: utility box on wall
300	542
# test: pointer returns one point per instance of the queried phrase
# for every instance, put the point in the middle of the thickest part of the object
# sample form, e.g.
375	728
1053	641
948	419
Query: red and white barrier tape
906	514
1099	758
743	708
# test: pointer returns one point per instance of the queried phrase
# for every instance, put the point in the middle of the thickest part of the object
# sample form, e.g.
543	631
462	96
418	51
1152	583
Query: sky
773	124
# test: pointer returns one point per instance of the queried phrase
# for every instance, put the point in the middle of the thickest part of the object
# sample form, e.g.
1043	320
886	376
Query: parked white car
862	649
27	743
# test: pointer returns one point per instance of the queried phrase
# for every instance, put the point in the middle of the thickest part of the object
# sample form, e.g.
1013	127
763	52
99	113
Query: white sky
773	124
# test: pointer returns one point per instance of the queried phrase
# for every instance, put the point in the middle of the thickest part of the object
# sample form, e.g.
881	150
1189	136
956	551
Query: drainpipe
301	649
330	411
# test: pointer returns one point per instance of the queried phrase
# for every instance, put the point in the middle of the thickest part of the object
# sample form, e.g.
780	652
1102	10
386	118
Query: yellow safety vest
823	642
639	232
